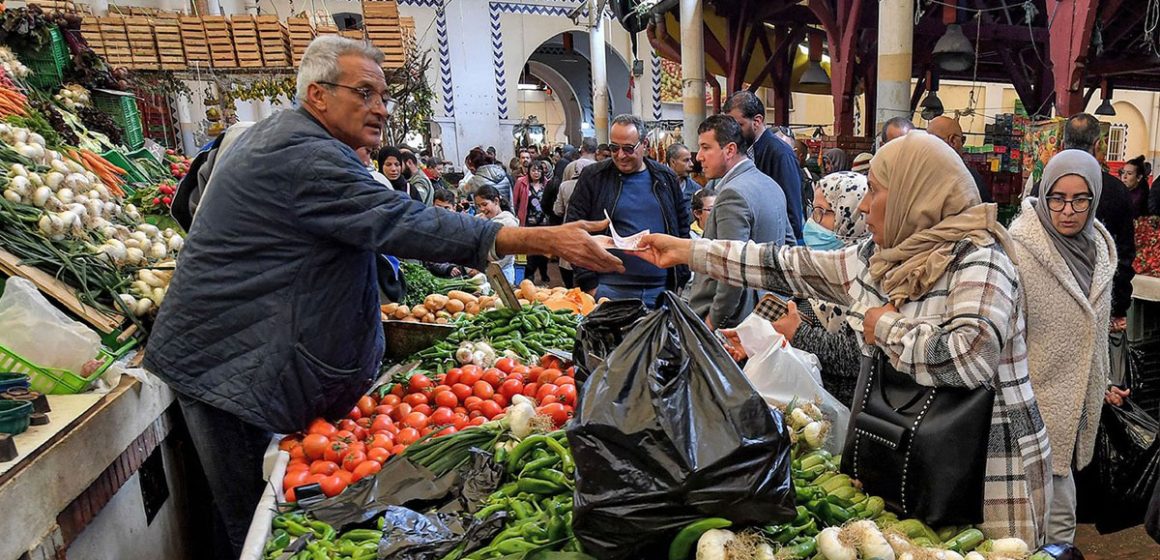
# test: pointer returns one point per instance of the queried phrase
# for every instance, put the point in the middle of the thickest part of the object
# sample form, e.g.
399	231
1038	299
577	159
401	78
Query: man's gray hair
671	153
632	120
320	62
1082	132
588	145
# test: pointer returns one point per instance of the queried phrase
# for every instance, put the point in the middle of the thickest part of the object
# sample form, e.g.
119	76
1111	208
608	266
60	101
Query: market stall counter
69	469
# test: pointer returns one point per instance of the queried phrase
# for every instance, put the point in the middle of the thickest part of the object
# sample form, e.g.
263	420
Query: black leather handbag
922	449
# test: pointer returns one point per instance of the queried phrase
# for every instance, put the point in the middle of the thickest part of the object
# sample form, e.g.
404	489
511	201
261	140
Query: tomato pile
335	455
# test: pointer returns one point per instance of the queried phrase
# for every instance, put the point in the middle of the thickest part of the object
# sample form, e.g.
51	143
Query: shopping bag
602	331
781	373
668	430
1115	489
37	331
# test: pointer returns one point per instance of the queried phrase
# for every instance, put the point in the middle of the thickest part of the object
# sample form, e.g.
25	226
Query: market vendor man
272	318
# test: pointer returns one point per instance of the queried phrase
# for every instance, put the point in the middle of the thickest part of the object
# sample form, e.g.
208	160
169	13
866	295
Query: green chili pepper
513	546
541	463
564	455
360	535
682	545
552	475
523	448
802	547
539	486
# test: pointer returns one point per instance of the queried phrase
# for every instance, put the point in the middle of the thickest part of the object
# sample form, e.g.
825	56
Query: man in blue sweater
771	156
638	194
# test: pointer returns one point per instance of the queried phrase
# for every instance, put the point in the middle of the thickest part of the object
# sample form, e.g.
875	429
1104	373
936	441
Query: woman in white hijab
1067	260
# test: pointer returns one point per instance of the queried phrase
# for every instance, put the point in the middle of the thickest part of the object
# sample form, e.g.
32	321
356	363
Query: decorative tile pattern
494	10
444	62
656	86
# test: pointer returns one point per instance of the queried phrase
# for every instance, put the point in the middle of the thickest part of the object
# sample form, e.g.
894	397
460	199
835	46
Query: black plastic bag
410	535
602	331
1115	489
1060	551
669	431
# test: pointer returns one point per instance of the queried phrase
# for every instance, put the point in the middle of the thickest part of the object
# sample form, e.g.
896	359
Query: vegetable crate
123	108
116	41
49	62
132	172
91	31
245	33
220	41
193	41
301	33
167	31
60	381
385	30
142	43
274	41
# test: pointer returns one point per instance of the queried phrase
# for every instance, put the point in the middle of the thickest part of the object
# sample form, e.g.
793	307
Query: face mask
820	238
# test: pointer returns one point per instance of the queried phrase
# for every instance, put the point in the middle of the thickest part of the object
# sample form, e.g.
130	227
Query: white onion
12	196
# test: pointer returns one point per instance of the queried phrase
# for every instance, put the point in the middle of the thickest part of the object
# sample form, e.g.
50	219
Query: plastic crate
48	63
59	381
132	173
122	106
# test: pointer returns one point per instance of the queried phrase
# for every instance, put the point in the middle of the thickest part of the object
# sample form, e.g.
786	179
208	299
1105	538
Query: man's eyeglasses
1078	205
368	95
626	148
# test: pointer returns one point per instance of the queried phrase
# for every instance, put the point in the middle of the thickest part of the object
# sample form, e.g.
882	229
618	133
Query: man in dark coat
771	156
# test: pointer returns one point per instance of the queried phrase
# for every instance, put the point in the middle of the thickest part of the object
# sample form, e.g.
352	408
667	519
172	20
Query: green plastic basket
133	173
60	381
122	107
48	63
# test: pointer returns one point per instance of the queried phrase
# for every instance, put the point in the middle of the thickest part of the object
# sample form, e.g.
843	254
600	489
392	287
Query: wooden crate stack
407	24
274	41
385	30
167	30
301	33
221	42
118	53
50	5
193	41
142	42
91	31
245	31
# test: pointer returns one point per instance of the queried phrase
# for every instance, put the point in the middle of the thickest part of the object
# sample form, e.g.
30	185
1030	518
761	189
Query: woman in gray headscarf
835	160
1066	263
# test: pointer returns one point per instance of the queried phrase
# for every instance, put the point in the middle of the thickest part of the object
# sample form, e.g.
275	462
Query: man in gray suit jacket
749	207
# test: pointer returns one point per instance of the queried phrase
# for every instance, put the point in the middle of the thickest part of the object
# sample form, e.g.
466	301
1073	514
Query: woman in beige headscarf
935	290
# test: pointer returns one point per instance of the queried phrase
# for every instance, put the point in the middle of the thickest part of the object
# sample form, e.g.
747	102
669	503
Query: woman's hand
734	348
789	323
871	321
1115	396
665	251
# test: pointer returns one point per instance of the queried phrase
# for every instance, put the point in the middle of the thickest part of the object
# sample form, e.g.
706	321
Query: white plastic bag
781	373
37	331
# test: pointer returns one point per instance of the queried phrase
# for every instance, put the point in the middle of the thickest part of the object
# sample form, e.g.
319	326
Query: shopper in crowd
485	171
1114	211
391	166
416	179
639	194
771	156
529	206
585	156
802	152
603	152
896	127
1134	174
272	317
936	291
680	160
702	205
525	157
445	199
567	187
1066	262
862	163
494	207
516	168
568	154
952	133
816	325
749	207
835	160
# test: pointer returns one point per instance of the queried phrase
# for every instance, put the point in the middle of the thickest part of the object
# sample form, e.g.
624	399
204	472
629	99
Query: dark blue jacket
777	160
273	313
597	190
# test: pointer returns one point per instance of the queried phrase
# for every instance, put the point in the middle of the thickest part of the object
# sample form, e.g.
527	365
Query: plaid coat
968	330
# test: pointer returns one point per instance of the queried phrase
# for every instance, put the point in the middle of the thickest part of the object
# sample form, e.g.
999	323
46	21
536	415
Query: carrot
95	163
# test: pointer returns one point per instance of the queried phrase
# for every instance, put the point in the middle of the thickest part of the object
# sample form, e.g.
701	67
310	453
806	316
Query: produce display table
1146	288
87	436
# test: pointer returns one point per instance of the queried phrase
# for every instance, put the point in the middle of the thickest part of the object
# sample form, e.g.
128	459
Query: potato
410	319
389	309
543	296
472	308
454	306
441	321
435	302
419	311
429	318
402	312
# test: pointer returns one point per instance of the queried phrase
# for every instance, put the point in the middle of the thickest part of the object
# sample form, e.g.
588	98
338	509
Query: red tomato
345	475
461	391
511	388
460	410
378	454
530	389
321	426
365	421
294	479
483	389
521	369
501	400
361	433
298	464
399	390
446	431
556	411
332	486
380	440
366	469
415	399
549	399
323	467
297	452
425	431
391	399
475	414
407	436
366	405
419	382
446	399
401	411
344	434
356	446
478	421
565	380
416	420
461	420
471	374
493	377
516	376
353	459
566	394
472	403
290	497
398	448
315	446
335	451
545	390
385	408
381	423
452	376
443	416
534	372
440	389
548	376
289	442
491	409
550	361
424	408
354	414
505	365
